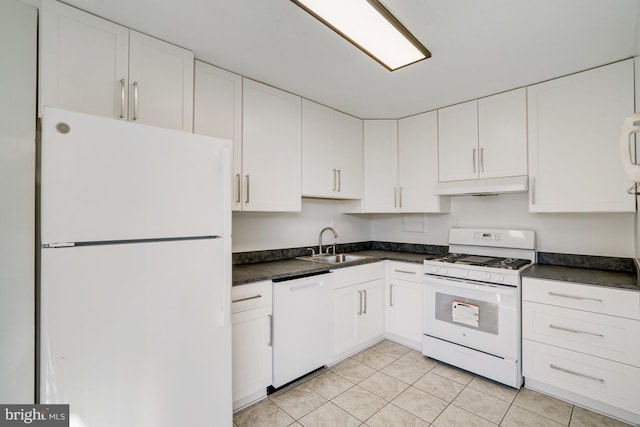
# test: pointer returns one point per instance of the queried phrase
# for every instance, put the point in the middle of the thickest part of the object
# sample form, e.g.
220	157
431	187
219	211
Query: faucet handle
313	252
333	249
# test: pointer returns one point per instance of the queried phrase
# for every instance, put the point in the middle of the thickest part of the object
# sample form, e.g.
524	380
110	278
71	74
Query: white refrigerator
135	273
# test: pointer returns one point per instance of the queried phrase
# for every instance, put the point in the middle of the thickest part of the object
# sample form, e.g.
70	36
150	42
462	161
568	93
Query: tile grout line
393	357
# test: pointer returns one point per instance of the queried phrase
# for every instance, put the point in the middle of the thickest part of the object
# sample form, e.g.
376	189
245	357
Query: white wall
17	185
253	231
607	234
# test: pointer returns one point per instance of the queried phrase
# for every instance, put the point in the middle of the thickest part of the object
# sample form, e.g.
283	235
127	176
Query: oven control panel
487	237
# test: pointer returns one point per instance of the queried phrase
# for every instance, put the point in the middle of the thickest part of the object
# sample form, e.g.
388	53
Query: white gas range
472	302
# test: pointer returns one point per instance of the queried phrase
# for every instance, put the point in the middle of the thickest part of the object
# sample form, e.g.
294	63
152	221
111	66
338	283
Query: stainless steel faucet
335	234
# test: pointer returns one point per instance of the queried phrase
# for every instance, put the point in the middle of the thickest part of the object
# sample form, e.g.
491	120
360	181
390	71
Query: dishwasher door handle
305	286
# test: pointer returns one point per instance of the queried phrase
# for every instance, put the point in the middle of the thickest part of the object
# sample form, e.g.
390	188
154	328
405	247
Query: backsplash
252	257
626	265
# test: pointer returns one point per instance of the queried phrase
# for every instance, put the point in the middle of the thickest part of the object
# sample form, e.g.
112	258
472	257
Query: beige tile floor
392	385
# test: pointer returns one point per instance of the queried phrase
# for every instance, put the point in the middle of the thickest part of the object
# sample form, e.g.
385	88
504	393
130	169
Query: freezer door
105	179
138	335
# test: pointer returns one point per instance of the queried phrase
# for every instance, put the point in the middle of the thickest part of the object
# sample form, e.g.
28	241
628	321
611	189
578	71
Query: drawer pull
390	295
577	374
575	331
405	271
247	298
270	343
555	294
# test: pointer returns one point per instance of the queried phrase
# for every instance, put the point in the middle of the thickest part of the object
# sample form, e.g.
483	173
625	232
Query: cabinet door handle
270	343
135	100
335	179
390	295
246	200
122	98
339	179
238	195
400	197
395	197
578	374
474	161
576	297
365	302
247	298
359	302
533	190
575	331
482	160
405	271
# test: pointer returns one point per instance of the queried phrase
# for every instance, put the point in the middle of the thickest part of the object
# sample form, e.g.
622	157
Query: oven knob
500	278
434	269
487	276
444	271
464	273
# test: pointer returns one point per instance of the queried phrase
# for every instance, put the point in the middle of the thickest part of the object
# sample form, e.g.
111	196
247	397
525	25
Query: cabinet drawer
610	337
597	299
609	382
252	295
405	271
348	276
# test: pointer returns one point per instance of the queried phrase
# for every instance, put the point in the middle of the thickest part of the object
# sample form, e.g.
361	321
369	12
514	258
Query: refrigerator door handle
59	245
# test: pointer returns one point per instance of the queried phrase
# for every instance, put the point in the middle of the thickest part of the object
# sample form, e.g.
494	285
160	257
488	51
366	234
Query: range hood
483	187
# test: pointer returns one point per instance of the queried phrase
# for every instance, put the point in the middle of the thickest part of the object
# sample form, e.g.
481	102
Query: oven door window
468	312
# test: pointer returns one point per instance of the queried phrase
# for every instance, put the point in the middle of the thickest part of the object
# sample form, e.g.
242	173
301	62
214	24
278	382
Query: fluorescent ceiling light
370	27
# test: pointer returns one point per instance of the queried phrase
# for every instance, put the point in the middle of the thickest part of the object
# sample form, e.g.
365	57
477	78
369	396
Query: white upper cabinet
418	164
271	149
91	65
84	62
484	138
458	142
332	153
217	111
574	132
502	134
380	166
161	83
401	165
349	155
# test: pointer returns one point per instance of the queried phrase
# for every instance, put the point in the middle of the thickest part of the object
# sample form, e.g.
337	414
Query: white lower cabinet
404	303
358	308
251	314
580	344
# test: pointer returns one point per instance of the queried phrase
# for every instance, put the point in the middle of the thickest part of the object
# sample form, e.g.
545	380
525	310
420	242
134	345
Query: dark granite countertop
590	276
291	268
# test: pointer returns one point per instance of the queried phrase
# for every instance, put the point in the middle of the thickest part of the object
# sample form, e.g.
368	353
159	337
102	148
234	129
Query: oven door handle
470	284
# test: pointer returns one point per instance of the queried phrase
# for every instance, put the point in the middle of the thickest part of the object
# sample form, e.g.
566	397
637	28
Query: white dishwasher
302	326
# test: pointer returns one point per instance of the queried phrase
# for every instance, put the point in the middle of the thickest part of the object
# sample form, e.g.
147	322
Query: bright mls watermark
34	415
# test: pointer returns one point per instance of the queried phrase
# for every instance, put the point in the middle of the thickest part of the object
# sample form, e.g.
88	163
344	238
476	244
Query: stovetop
484	261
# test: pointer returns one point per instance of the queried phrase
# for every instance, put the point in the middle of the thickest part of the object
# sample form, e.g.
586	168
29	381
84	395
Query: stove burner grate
484	261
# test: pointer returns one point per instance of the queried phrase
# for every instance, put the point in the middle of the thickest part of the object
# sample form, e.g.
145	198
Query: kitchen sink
335	259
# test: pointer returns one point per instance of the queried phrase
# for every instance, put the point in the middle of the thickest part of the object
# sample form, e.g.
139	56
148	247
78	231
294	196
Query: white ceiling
479	47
